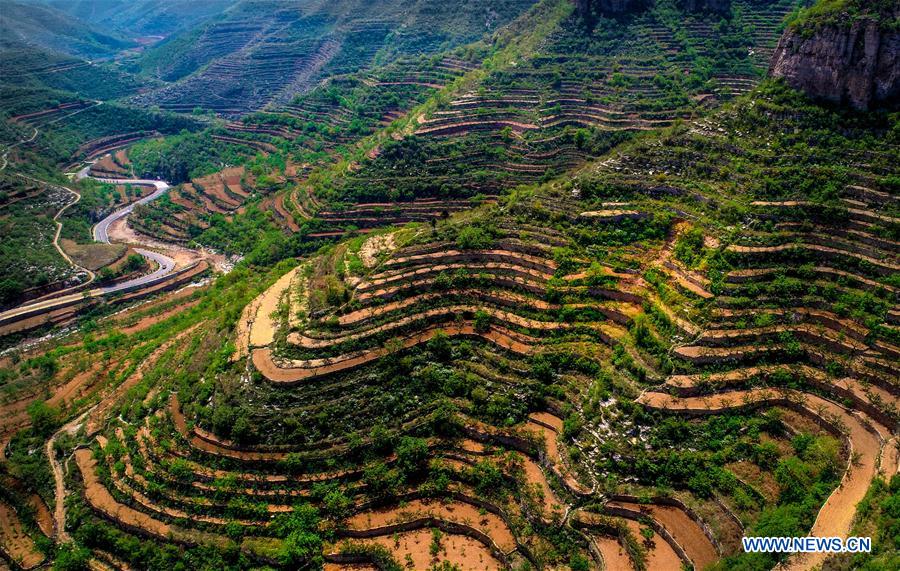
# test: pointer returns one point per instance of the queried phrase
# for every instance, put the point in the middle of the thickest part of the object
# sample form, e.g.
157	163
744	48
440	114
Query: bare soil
458	512
615	558
15	541
660	555
465	552
683	529
101	500
93	256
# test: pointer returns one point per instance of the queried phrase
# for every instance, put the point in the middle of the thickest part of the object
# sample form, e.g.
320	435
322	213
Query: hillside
260	53
29	24
585	285
144	17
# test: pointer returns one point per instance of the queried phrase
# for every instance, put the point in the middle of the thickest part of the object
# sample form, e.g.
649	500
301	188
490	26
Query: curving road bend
101	234
101	231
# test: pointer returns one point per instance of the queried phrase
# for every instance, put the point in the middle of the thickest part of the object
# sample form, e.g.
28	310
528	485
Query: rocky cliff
857	63
589	10
718	6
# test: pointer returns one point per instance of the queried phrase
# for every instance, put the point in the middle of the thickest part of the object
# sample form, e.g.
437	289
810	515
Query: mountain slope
40	26
262	52
142	17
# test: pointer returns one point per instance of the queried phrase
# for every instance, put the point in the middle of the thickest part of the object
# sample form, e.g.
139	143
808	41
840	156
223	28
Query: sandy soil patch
120	231
15	541
262	330
615	558
682	528
660	555
537	481
458	512
463	551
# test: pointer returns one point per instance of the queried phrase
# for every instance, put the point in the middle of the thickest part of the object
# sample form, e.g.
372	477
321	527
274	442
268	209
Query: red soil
467	553
615	558
660	555
14	541
101	500
682	528
458	512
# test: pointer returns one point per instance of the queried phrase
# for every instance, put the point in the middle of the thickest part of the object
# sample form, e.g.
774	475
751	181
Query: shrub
473	238
302	544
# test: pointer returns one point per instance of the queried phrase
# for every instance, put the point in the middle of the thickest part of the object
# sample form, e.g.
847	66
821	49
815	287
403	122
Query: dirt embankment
459	512
17	544
413	548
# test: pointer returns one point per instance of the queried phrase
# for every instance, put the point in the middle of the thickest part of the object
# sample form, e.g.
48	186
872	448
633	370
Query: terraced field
530	118
261	54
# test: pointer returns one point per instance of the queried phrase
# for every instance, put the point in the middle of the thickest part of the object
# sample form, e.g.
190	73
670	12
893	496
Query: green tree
412	455
473	238
70	557
44	418
482	321
302	544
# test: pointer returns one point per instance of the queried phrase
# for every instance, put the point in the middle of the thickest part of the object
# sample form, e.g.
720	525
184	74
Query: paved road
101	229
100	232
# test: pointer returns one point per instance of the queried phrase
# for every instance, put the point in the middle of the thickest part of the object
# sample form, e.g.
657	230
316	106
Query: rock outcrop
856	64
589	10
717	6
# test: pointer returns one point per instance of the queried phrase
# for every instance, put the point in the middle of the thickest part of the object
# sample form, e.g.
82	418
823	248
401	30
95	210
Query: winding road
166	265
101	230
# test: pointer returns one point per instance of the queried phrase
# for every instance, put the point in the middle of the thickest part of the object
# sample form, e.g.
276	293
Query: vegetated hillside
142	17
536	110
40	26
663	347
544	96
267	52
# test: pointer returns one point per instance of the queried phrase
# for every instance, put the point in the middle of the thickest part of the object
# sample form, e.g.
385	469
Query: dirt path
11	147
59	511
59	227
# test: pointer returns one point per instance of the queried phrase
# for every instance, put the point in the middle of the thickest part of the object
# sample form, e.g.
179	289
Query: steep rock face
858	64
589	9
717	6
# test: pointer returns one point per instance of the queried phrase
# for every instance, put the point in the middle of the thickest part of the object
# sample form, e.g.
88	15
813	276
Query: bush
412	455
44	418
302	544
473	238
